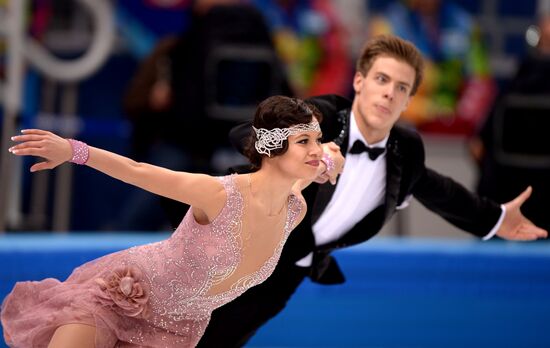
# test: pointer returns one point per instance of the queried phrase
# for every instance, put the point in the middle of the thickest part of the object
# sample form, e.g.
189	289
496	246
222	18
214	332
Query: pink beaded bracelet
328	161
81	152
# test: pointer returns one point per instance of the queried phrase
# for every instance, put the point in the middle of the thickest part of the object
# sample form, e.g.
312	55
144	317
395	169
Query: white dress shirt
360	189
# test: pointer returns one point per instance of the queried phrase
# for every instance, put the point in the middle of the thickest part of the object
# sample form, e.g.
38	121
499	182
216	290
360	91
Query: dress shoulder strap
295	209
231	214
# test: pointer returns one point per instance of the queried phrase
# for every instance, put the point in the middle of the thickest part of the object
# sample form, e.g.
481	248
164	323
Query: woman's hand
36	142
333	169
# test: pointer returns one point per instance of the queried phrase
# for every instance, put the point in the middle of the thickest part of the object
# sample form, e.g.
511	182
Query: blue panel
423	294
399	293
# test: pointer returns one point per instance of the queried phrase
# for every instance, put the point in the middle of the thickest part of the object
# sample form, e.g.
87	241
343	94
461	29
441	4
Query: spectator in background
312	43
169	102
512	147
458	90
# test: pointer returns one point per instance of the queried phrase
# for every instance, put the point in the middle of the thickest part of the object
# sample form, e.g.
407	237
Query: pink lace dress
156	295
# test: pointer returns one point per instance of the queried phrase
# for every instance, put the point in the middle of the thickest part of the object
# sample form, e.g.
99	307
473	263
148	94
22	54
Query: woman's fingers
42	166
21	150
27	144
28	151
28	137
35	131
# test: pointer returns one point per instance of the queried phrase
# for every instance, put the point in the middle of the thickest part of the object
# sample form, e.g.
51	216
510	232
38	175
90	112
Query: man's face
381	96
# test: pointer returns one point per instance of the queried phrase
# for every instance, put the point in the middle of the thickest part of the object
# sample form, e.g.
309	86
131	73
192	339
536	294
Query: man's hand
515	226
332	150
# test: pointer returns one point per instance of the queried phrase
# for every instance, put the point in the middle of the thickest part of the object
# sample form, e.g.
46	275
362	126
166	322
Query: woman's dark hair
278	112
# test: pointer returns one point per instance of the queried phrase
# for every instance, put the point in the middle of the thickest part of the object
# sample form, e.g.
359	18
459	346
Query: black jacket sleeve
452	201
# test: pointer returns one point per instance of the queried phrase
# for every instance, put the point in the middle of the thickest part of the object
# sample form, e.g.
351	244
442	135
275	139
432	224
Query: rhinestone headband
268	140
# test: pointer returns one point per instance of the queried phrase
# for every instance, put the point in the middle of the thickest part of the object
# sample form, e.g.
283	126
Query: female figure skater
162	294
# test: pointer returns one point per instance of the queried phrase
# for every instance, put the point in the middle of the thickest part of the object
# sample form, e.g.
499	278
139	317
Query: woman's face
301	160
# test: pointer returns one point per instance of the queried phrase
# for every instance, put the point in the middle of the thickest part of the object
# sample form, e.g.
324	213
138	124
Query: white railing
95	56
22	50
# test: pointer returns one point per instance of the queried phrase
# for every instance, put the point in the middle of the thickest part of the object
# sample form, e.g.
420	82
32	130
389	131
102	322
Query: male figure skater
374	183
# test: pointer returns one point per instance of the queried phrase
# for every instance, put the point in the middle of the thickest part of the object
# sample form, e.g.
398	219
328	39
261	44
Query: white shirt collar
355	134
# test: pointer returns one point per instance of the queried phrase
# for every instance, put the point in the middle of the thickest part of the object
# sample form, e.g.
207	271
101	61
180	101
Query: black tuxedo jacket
406	175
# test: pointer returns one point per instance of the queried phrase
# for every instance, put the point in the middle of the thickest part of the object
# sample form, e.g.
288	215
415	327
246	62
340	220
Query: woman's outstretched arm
198	190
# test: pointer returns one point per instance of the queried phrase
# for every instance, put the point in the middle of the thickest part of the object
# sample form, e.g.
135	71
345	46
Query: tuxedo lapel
393	175
394	170
325	192
374	221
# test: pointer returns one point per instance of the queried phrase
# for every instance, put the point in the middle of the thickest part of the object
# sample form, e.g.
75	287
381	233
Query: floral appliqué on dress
125	292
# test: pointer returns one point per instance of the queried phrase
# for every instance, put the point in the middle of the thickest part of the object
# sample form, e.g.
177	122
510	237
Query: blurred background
162	81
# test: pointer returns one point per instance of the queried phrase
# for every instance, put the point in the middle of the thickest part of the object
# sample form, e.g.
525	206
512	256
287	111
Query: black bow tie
360	147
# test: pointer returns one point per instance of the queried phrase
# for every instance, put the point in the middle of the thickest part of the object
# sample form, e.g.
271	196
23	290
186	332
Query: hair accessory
268	140
328	161
81	152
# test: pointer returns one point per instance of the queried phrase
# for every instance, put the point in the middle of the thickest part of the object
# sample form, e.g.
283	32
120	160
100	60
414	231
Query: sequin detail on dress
155	295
